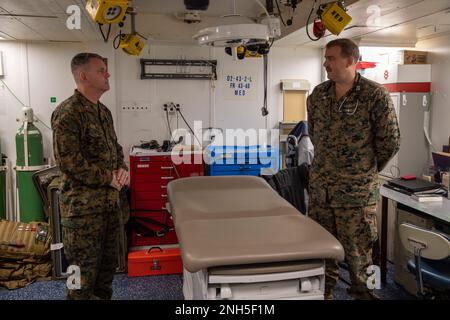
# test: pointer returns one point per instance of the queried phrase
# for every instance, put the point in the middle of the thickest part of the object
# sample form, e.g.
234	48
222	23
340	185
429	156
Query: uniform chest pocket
94	135
94	142
355	121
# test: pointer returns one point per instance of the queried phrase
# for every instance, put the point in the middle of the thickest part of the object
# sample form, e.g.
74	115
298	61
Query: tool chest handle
159	248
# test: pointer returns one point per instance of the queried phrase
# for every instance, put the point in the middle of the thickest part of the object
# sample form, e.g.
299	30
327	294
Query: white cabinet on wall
391	169
409	87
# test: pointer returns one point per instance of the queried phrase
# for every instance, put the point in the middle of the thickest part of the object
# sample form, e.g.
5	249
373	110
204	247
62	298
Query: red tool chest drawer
152	158
189	170
150	175
152	228
161	178
151	195
159	170
155	261
138	240
153	186
149	204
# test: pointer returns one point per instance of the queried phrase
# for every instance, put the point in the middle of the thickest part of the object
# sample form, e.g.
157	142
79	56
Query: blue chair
431	262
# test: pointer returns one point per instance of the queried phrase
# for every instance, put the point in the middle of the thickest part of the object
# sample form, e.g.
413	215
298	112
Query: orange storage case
155	261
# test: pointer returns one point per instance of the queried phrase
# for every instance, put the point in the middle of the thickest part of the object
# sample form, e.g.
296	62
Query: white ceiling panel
215	8
399	23
14	29
43	20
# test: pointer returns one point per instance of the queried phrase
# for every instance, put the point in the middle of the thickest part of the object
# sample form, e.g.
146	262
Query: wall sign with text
240	85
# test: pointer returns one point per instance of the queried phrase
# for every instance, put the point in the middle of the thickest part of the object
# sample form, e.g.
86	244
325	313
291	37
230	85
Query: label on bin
56	246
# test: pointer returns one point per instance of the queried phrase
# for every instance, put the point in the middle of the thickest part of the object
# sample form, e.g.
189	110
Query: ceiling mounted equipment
330	16
235	30
113	11
334	16
131	43
192	16
196	4
107	11
233	35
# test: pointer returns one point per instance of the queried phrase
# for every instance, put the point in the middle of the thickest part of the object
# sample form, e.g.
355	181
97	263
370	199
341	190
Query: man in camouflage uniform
93	172
354	130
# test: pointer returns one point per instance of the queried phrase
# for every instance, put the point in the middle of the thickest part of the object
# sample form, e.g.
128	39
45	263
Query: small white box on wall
295	92
295	84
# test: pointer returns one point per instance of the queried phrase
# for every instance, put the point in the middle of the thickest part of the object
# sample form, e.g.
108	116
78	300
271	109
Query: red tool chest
155	261
149	175
146	233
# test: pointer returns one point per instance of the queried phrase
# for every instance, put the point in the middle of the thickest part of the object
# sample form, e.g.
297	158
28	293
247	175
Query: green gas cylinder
30	158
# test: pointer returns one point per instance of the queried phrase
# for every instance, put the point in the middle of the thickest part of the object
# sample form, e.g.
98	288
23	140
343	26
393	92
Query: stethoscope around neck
351	112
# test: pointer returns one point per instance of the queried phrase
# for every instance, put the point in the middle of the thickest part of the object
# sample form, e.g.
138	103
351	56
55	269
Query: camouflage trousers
90	242
356	230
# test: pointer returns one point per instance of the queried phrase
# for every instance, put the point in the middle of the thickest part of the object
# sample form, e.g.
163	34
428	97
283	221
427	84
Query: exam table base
298	285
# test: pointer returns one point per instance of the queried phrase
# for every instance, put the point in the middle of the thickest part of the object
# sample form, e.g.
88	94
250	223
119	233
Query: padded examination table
240	240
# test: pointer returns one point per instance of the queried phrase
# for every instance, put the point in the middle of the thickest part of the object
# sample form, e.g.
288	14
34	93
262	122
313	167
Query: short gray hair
348	48
82	59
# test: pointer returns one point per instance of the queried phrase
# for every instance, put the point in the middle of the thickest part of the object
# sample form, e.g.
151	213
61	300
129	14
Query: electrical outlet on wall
135	108
171	107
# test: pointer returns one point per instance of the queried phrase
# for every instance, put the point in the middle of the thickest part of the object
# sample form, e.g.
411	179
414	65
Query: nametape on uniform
56	246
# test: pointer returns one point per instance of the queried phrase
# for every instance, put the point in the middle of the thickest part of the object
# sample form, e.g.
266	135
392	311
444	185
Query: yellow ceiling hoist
114	11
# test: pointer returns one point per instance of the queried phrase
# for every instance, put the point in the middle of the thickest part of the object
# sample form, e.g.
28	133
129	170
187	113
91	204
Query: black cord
101	31
264	110
307	22
153	144
115	39
279	13
109	31
181	114
168	123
